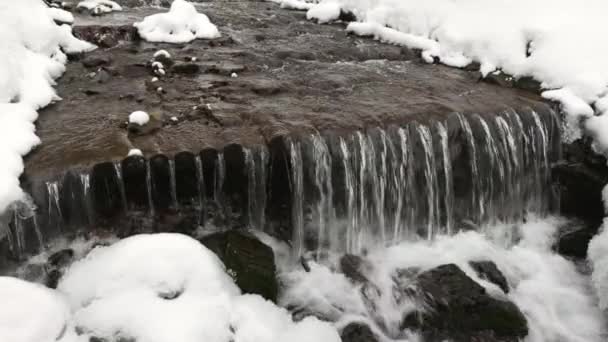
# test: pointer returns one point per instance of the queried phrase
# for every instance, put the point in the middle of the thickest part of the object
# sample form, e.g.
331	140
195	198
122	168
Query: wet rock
358	332
574	241
106	36
134	178
489	271
499	79
279	196
210	160
186	179
61	258
52	278
186	68
235	188
266	87
72	200
352	267
102	76
105	191
249	261
94	61
161	182
461	310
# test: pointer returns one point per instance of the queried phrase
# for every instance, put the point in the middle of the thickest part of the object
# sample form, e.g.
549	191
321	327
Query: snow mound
99	6
135	152
31	313
33	55
139	117
182	24
325	12
169	287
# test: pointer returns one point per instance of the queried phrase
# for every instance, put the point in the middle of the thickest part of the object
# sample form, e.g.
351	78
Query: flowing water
355	191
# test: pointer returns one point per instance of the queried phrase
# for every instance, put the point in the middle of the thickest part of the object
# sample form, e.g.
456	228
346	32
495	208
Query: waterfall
340	192
386	185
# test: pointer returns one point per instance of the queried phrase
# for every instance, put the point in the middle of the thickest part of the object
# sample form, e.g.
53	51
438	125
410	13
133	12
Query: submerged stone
461	310
249	261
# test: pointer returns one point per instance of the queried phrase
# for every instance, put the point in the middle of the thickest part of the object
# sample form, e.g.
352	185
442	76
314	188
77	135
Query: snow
99	6
139	117
545	286
557	42
324	12
169	287
32	313
61	15
135	152
182	24
33	55
163	53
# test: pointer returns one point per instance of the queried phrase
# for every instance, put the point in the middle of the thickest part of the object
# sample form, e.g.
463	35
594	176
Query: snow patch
139	117
182	24
135	152
324	12
99	6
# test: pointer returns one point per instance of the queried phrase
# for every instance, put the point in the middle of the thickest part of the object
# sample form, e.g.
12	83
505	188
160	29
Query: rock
94	61
102	76
52	278
134	169
61	258
266	87
249	261
574	241
489	271
358	332
461	310
186	68
352	267
105	191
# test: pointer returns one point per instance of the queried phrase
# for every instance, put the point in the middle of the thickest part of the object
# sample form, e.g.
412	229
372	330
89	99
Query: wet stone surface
271	73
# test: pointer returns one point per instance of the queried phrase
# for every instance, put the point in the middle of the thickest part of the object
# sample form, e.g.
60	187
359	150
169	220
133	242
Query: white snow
545	286
135	152
558	42
324	12
33	55
234	75
182	24
163	53
32	313
100	6
61	15
169	287
139	117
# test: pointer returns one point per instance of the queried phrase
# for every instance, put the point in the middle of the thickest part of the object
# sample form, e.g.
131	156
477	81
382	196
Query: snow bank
168	287
32	313
32	55
544	285
558	42
182	24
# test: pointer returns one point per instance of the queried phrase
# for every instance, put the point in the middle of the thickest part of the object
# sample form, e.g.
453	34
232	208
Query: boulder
489	271
352	266
249	261
358	332
461	310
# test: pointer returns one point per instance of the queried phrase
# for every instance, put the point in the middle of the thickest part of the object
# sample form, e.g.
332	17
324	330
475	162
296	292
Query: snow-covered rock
135	152
139	117
169	287
182	24
99	6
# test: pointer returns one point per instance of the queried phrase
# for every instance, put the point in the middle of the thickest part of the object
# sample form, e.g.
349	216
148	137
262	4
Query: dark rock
72	200
186	179
210	160
52	278
102	76
235	187
499	79
62	258
279	196
489	271
161	182
352	267
94	61
266	87
250	261
186	68
527	83
574	241
461	310
134	177
105	191
358	332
